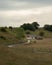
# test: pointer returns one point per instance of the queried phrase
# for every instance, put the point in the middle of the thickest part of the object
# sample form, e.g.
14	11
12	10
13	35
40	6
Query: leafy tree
35	24
48	27
31	27
28	27
10	27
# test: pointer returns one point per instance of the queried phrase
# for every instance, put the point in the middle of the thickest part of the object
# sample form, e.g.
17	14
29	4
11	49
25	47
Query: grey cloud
15	5
23	4
42	1
17	20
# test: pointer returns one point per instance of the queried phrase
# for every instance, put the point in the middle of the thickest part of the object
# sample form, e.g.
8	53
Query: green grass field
10	36
39	53
47	34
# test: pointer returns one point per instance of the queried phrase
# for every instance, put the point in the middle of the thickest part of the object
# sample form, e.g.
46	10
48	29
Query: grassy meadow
39	53
10	36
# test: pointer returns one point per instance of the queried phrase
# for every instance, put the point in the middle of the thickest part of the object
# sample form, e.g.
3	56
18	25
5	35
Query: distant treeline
48	27
33	26
28	26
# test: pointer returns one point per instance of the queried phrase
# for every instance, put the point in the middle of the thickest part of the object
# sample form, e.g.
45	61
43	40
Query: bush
41	33
3	30
5	27
20	33
2	37
28	32
10	27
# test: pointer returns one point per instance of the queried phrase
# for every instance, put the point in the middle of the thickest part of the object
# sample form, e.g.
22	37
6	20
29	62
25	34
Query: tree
31	27
35	24
28	27
48	27
10	27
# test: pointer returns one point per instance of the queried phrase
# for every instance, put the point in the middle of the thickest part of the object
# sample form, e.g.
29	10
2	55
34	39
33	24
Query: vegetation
37	53
41	34
48	27
28	32
2	37
13	35
36	25
3	29
31	27
20	33
10	27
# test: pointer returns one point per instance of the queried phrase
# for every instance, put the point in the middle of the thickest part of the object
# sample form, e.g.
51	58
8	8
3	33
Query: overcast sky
17	12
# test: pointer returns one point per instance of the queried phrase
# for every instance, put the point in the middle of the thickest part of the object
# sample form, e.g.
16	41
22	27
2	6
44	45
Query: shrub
20	33
2	37
5	27
41	33
28	32
10	27
3	30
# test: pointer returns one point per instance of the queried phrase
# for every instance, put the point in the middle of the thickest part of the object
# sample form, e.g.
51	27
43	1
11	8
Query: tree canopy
48	27
31	27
